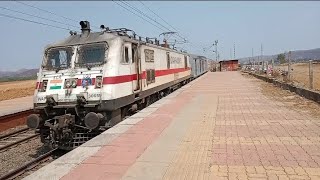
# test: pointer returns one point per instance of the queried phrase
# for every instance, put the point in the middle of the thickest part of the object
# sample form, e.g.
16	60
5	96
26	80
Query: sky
278	26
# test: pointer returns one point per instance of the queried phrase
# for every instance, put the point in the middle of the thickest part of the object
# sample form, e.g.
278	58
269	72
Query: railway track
28	166
16	137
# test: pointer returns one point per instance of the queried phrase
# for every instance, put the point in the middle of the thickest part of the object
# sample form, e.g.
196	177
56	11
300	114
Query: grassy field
10	79
300	74
16	89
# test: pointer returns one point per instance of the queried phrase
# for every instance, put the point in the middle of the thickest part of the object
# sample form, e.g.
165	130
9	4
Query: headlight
74	83
70	83
98	81
43	86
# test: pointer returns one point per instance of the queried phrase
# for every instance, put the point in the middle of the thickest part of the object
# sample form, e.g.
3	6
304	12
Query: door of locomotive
135	67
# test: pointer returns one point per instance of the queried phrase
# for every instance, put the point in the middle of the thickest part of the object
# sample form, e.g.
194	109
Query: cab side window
185	62
168	60
132	54
126	55
151	76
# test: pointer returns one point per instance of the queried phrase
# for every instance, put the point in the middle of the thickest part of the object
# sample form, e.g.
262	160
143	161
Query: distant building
213	66
229	65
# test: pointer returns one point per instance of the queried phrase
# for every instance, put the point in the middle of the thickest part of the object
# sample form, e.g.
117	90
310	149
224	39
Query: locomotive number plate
86	76
57	77
94	95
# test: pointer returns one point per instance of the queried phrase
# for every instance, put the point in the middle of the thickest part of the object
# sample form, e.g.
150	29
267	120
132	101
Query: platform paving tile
131	121
118	129
125	149
246	136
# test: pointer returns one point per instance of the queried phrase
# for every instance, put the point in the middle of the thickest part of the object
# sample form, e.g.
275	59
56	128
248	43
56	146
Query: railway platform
12	106
219	126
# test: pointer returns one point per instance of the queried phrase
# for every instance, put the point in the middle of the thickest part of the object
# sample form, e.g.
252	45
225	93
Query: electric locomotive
89	81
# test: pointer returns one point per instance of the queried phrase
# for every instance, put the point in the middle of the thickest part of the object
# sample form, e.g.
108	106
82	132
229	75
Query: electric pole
216	51
254	62
289	65
234	51
262	58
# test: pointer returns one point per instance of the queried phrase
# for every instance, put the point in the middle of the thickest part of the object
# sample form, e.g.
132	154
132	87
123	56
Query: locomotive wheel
124	112
115	117
148	102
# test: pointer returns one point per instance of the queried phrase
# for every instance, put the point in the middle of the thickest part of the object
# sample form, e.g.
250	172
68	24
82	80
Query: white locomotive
89	81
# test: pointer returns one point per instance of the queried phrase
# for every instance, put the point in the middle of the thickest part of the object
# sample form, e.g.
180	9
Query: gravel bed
12	130
20	154
28	172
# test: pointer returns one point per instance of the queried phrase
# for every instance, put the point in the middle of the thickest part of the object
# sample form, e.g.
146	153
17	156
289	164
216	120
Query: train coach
199	65
88	82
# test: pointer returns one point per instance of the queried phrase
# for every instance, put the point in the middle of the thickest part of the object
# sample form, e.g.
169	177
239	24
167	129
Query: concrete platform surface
219	126
16	105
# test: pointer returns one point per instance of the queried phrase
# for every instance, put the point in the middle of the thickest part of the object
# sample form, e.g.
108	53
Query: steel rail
17	142
29	165
13	133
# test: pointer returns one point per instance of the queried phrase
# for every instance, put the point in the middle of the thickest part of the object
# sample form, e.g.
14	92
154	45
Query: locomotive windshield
58	58
92	55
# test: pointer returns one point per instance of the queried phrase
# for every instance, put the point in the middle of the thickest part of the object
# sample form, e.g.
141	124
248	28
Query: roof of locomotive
96	37
92	37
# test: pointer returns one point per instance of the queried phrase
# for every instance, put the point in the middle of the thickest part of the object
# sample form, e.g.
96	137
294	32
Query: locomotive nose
33	121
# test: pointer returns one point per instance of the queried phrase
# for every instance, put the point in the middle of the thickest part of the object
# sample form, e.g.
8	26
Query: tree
281	58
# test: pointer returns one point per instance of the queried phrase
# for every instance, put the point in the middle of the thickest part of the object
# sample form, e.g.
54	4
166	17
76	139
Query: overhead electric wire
205	49
158	16
161	19
137	10
44	10
185	38
37	16
138	15
128	7
145	15
22	19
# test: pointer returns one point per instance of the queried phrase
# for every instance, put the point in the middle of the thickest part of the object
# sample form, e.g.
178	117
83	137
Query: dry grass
16	89
289	99
300	74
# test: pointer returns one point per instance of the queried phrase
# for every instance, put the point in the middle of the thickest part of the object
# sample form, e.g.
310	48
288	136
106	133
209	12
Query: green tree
281	58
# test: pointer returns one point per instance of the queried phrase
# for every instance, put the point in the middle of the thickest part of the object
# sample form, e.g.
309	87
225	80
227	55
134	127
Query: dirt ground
16	89
300	74
290	99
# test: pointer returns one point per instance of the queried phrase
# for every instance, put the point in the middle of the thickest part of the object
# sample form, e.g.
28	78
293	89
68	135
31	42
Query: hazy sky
280	26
